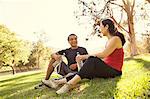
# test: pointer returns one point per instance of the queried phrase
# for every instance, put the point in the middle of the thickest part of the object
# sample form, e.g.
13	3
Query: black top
71	54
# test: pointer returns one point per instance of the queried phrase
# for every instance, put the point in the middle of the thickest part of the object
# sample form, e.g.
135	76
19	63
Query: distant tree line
21	55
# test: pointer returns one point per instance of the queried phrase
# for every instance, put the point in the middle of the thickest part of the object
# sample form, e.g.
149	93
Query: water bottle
63	59
79	64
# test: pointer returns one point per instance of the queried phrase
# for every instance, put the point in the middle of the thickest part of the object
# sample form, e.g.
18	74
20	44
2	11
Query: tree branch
125	6
118	5
105	7
86	5
119	24
132	6
121	16
124	2
148	1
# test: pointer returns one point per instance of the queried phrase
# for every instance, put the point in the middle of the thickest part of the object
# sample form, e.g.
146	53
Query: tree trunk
129	6
132	46
38	60
13	69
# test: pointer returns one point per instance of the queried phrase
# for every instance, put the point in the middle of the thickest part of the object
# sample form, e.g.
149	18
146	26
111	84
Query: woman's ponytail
121	37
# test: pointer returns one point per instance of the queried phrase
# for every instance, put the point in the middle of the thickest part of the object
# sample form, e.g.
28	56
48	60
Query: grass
133	84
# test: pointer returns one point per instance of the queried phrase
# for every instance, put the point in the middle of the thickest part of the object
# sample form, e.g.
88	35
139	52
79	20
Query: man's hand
73	66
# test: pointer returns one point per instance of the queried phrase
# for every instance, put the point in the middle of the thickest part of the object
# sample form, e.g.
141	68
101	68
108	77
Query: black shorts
64	69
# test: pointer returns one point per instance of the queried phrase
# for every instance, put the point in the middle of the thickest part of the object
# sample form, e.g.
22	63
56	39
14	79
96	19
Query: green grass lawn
133	84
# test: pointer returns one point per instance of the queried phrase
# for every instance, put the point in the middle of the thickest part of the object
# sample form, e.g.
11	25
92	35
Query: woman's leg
77	77
69	85
88	70
61	81
93	67
65	79
74	80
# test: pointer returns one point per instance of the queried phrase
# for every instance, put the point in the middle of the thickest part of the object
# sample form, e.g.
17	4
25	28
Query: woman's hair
71	35
113	30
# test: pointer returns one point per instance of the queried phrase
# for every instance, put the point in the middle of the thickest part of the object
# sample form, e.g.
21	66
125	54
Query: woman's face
73	41
103	29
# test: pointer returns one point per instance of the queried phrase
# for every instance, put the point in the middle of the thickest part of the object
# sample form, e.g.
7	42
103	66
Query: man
70	54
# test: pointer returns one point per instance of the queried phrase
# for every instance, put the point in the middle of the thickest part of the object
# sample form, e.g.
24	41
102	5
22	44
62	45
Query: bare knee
55	57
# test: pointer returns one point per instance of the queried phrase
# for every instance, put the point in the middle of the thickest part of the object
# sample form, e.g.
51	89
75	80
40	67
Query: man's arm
58	54
85	53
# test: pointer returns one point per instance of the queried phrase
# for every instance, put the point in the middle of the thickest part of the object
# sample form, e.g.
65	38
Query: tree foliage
40	53
12	50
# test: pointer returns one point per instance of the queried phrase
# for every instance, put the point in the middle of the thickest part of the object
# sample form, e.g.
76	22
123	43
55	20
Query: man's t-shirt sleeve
85	51
61	52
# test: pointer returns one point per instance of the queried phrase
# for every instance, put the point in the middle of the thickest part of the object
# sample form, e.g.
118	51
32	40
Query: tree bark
129	6
13	69
132	46
148	1
38	60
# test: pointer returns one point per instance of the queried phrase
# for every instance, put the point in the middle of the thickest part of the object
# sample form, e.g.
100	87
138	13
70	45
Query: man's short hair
71	35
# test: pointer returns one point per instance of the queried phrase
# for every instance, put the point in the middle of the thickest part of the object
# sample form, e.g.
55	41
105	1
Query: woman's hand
79	58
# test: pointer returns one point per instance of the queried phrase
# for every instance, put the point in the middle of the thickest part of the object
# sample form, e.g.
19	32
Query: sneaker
40	86
50	83
64	89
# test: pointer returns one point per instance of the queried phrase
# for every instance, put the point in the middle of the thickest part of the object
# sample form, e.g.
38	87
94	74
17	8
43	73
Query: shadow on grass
17	86
146	64
26	91
15	78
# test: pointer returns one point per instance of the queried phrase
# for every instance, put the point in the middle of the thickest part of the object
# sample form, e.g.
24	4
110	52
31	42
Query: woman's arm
81	57
113	43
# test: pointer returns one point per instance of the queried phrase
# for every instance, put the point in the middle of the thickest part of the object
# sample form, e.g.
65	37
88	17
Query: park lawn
133	84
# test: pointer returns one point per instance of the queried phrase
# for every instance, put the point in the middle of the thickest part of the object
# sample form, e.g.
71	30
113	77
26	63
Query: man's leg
63	69
53	62
50	69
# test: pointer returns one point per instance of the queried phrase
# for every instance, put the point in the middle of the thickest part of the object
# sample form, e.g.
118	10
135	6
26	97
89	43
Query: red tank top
115	60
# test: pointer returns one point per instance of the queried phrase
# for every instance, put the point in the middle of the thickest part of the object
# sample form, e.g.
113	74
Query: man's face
73	40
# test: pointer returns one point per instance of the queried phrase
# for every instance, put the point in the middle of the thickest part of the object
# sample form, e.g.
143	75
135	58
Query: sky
55	17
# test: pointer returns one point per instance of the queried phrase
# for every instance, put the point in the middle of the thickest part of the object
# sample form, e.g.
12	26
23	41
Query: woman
94	66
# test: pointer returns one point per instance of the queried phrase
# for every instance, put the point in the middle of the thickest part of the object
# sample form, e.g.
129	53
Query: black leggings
96	68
